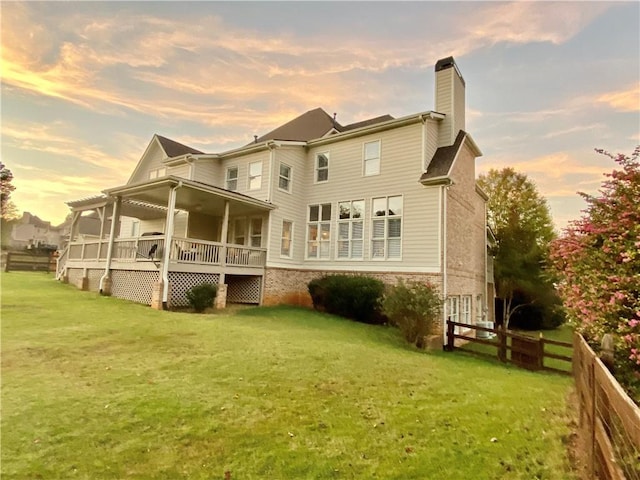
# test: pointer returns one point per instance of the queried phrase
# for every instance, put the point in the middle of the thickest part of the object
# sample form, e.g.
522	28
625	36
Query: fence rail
609	419
26	261
522	350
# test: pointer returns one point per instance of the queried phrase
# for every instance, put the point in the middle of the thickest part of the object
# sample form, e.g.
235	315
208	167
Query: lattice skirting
133	285
243	289
181	282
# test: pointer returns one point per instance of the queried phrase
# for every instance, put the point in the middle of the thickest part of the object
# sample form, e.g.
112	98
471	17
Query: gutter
444	262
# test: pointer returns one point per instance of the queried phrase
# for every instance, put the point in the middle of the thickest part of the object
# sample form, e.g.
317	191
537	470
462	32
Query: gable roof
442	160
366	123
173	148
314	124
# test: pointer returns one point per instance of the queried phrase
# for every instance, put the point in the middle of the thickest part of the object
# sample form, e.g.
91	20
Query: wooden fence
522	350
609	419
30	261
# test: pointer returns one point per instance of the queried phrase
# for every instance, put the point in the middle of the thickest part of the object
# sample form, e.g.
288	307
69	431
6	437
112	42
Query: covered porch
159	238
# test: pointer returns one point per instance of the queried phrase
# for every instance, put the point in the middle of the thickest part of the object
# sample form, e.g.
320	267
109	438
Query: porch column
105	280
74	225
221	294
102	213
160	293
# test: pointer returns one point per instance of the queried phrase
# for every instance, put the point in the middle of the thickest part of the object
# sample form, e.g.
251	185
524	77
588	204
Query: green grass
99	388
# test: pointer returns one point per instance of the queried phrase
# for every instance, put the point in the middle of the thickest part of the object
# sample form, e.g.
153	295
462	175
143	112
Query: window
319	231
157	173
135	228
232	178
465	310
255	175
386	228
322	167
285	241
284	180
350	229
372	158
453	311
256	232
239	231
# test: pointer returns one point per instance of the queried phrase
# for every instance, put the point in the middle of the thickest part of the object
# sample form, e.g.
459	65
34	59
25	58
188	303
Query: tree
598	258
521	223
7	208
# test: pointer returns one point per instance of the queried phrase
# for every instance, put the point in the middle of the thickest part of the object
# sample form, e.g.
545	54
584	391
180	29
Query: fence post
450	338
502	343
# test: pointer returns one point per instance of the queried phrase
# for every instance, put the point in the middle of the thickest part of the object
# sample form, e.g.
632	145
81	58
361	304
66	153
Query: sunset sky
85	85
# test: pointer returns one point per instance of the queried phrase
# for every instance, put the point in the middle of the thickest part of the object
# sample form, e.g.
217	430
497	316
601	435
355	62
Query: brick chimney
450	100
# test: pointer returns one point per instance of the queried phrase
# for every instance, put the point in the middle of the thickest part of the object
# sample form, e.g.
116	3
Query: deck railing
183	250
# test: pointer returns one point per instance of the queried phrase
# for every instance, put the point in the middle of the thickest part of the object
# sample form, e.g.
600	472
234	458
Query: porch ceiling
190	196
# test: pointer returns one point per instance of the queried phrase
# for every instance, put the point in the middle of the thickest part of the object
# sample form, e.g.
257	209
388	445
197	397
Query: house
387	197
31	232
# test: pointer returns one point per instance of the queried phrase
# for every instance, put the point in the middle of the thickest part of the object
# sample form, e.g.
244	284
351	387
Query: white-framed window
135	228
286	238
284	177
453	311
255	232
157	173
386	227
465	310
350	229
255	175
322	167
239	231
371	158
319	231
231	181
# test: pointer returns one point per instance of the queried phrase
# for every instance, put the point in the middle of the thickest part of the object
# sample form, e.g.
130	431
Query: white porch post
102	213
221	295
160	294
105	280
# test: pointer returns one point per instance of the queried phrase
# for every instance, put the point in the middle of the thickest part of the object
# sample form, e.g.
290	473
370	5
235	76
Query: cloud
627	100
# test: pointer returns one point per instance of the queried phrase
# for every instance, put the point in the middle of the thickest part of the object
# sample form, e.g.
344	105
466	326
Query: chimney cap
446	63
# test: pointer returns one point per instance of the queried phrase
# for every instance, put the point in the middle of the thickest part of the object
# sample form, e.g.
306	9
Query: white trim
382	268
290	191
327	154
364	158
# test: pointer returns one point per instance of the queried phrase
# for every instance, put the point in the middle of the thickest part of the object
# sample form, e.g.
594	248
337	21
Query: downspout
168	238
424	148
115	216
272	155
444	261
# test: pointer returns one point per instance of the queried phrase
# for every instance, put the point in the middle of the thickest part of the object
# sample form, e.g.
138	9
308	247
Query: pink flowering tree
598	258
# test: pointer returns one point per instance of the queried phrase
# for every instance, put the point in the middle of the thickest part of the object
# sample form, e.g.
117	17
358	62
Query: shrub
355	297
201	296
413	307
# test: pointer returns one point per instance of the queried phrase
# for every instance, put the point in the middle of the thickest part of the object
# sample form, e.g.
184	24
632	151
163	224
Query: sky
85	85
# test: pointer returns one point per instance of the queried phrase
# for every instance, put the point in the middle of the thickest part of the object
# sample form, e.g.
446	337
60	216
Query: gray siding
291	206
180	171
243	173
209	171
151	159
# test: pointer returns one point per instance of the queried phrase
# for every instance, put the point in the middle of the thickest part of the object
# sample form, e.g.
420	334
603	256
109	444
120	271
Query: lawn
99	388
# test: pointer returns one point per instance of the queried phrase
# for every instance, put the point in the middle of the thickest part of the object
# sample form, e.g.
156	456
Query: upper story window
157	173
322	167
232	178
372	158
386	228
255	175
319	231
350	229
286	238
284	179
